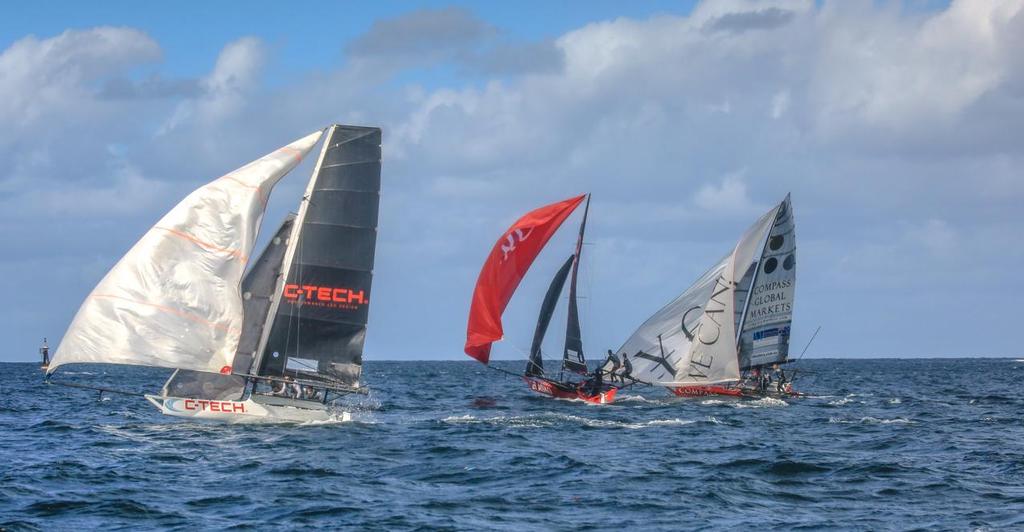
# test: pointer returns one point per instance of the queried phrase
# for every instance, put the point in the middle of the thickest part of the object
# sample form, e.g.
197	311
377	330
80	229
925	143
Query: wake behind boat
507	264
728	333
282	343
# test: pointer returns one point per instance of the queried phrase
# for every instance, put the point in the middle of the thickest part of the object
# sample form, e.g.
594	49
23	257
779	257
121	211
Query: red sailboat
507	264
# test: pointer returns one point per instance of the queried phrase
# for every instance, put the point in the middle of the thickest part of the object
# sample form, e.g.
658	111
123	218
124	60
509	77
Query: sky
895	126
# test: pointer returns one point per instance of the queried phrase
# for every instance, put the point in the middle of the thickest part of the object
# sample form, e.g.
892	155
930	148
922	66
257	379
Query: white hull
247	411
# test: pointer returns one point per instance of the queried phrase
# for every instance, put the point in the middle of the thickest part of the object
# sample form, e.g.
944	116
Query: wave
764	402
872	421
548	420
637	399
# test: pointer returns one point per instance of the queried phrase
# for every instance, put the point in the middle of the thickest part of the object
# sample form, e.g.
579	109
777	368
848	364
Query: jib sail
535	365
317	323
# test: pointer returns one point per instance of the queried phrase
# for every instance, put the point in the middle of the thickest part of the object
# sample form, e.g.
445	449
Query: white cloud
730	196
224	91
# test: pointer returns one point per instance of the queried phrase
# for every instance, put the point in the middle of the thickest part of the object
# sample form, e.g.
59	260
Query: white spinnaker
697	330
174	299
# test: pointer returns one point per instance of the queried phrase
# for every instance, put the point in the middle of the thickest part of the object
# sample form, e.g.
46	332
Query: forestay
174	299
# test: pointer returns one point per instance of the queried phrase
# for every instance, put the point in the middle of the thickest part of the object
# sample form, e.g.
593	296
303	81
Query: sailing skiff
731	328
507	264
281	341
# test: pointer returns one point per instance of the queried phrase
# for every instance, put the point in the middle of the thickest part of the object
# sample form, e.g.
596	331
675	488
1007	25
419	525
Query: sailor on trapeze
627	368
614	360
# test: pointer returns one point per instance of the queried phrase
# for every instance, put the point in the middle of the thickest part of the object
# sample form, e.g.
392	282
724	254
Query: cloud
761	19
433	33
224	90
504	59
730	196
51	77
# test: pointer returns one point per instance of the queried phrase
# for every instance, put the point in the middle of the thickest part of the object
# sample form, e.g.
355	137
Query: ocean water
880	445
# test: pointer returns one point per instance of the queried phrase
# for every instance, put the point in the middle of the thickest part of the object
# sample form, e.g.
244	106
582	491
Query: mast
289	254
573	358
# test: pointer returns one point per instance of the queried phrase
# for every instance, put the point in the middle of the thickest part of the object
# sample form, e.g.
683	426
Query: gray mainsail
317	322
535	365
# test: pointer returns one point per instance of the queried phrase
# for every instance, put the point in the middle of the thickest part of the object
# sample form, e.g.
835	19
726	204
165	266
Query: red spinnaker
505	267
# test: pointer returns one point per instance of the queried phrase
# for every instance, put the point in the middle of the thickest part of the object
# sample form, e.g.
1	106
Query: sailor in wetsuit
627	368
614	361
595	383
780	376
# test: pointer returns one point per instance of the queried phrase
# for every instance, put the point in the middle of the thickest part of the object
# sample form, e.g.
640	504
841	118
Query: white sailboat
732	323
282	341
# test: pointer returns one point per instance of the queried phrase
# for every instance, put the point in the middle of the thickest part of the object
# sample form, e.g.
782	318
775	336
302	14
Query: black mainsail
572	356
535	365
317	325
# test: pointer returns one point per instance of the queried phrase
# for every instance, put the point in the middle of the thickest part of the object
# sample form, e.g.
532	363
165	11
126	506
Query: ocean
889	444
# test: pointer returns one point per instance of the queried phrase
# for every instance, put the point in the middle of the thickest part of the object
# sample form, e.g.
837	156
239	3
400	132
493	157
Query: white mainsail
692	340
174	299
764	338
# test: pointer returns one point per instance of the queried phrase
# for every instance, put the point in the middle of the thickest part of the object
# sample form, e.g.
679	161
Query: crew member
596	383
614	361
780	385
627	368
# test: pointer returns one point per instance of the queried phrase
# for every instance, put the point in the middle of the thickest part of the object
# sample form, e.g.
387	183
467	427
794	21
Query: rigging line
505	371
96	388
813	336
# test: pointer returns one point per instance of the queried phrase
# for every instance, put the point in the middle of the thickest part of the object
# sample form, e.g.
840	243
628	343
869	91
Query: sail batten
174	299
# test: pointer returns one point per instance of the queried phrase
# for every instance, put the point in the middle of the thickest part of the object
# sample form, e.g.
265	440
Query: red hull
562	391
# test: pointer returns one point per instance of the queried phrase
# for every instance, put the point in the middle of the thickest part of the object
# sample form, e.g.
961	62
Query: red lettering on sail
504	268
325	296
